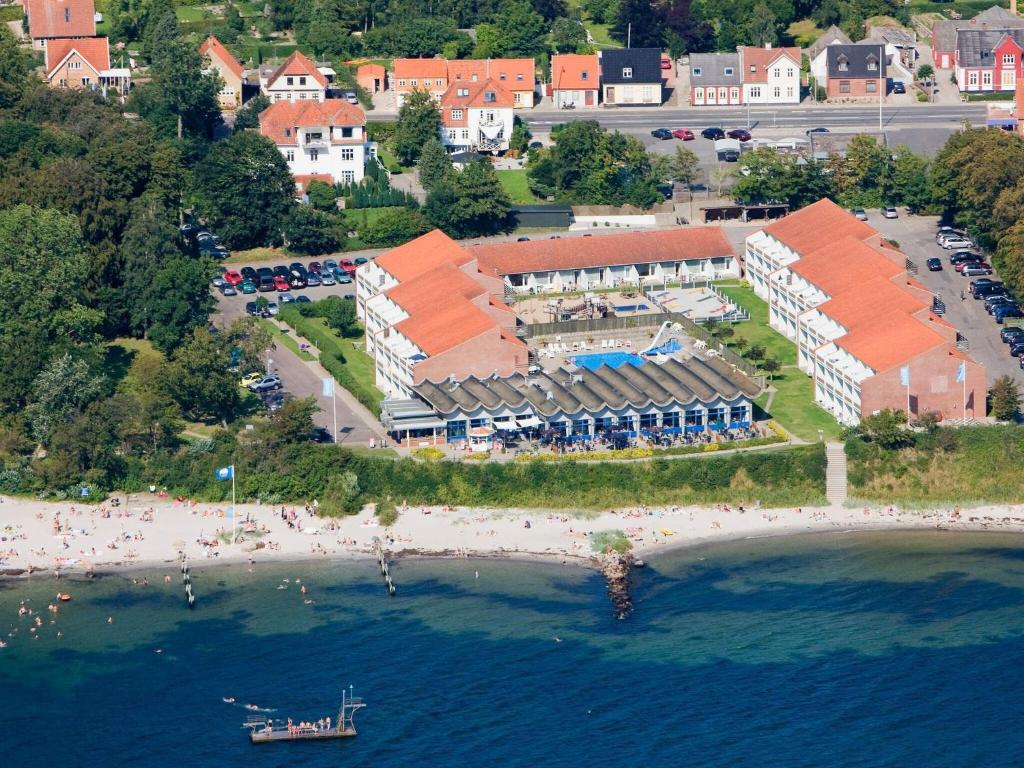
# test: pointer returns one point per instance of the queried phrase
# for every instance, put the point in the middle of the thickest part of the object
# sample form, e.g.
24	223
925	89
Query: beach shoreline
152	533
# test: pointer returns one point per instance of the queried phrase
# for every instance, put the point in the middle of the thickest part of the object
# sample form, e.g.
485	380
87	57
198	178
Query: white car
956	243
889	212
326	278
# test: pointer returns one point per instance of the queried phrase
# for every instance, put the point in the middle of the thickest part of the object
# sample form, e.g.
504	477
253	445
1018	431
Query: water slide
656	342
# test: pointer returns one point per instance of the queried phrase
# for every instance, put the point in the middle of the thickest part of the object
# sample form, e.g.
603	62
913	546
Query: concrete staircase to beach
835	473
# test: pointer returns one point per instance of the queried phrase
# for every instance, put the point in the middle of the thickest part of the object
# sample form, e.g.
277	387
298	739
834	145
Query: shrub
387	513
610	541
428	454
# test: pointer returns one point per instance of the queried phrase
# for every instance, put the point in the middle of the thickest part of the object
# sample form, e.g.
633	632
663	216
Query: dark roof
976	46
857	57
712	68
584	391
645	63
994	18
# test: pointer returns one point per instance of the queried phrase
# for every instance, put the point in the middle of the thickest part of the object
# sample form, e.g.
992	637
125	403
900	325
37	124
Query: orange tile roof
372	70
602	251
417	69
474	96
567	72
302	180
297	64
61	18
95	50
817	226
288	115
844	265
213	48
442	284
762	58
890	341
422	255
448	326
514	74
875	298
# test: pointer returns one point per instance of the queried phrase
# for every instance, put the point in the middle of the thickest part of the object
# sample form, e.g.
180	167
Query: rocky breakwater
618	571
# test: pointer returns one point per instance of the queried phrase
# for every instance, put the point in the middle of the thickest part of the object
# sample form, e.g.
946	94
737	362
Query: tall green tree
1005	399
418	122
312	232
567	35
245	190
394	227
523	30
763	26
435	165
15	66
63	388
248	116
183	90
470	204
640	23
199	380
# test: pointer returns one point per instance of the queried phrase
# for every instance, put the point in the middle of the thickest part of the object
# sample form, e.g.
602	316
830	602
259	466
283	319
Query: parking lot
916	237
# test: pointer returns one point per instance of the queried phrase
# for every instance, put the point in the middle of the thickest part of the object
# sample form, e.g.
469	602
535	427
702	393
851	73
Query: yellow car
250	379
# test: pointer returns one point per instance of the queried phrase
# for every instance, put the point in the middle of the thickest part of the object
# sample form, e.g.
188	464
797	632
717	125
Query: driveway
916	236
356	425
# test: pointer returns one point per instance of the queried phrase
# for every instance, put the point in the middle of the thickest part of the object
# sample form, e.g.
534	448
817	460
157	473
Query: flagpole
234	512
334	409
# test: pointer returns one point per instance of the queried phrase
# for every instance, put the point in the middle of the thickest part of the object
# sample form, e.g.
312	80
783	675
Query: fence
601	324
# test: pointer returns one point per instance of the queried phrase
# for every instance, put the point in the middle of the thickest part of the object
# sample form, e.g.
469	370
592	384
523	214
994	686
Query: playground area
588	306
698	304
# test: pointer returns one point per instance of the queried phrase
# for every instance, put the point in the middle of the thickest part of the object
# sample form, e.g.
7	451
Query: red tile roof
602	251
423	293
474	95
875	298
817	226
448	326
762	58
297	64
302	180
417	69
844	265
567	72
422	255
371	70
890	340
213	48
514	74
284	116
95	50
61	18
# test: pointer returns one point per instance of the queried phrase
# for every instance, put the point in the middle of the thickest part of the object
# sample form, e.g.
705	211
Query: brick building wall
840	88
933	387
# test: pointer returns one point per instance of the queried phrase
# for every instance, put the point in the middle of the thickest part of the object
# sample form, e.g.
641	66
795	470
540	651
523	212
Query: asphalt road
299	378
916	236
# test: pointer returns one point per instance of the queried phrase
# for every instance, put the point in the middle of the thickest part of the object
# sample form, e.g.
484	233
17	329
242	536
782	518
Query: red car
683	133
958	267
347	265
281	283
666	62
231	277
314	266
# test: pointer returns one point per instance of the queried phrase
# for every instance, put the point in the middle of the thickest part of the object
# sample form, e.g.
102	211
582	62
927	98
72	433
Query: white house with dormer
477	117
297	79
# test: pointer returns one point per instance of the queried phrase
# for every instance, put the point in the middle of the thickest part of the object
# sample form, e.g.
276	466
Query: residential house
716	79
372	78
863	326
988	60
575	80
517	76
854	72
53	19
831	36
900	48
749	76
84	63
227	68
430	75
477	116
297	79
944	32
319	138
631	76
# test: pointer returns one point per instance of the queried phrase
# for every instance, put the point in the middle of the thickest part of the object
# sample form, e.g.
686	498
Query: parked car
312	279
729	155
329	265
740	134
218	281
1012	333
247	286
351	97
898	87
303	299
961	256
280	283
947	231
889	212
267	383
713	133
1007	310
266	284
980	282
342	277
313	267
321	435
666	62
263	272
272	309
972	270
683	134
954	243
860	213
662	133
991	289
248	273
991	302
232	278
296	266
961	265
297	279
359	261
252	378
273	401
282	271
934	264
228	290
326	278
347	265
1017	349
819	129
251	309
286	298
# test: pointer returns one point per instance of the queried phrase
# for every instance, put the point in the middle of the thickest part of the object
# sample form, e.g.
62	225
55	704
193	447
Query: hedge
11	13
332	357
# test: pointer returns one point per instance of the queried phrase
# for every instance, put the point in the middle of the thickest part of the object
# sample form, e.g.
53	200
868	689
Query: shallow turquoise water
828	650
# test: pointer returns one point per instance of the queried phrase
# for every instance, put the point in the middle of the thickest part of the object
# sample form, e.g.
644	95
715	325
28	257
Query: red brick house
989	60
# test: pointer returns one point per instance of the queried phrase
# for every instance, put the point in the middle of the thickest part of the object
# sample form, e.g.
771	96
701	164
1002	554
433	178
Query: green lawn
515	186
968	8
804	32
793	406
287	339
191	13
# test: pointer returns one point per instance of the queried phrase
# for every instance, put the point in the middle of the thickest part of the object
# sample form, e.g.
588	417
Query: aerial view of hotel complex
410	379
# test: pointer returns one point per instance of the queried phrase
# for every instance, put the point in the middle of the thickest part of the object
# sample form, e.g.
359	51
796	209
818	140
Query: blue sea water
855	650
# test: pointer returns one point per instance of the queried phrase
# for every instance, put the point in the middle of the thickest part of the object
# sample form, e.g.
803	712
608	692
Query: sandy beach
149	530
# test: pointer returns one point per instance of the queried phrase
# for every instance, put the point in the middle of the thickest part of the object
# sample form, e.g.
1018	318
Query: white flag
961	372
905	375
328	387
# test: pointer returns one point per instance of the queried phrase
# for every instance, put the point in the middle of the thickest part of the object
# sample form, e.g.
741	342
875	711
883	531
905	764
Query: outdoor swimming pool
612	359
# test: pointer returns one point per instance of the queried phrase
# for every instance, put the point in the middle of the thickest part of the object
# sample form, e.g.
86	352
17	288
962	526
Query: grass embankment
804	32
343	358
793	405
286	338
967	8
949	466
515	186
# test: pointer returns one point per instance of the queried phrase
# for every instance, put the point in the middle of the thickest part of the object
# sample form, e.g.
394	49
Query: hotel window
86	80
648	420
290	80
844	86
738	413
348	153
346	133
517	97
456	114
451	134
843	63
789	93
670	419
474	78
789	72
753	69
696	72
490	97
302	81
290	155
314	155
716	418
581	426
627	73
1008	59
74	65
287	132
694	418
501	76
755	92
465	135
413	83
734	95
438	82
986	78
462	92
520	77
584	75
872	63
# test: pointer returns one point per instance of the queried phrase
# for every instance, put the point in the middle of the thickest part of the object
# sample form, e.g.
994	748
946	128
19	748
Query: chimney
767	46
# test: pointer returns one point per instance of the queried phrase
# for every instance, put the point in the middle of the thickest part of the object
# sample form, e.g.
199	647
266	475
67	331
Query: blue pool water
839	650
595	360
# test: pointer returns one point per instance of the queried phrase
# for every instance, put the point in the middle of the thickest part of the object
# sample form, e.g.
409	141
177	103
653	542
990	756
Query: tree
471	204
489	43
245	190
253	339
63	388
312	232
756	352
179	301
762	26
418	122
770	366
435	165
550	9
395	227
682	166
925	72
341	496
182	88
322	196
568	35
887	428
248	116
15	66
522	29
638	23
199	380
340	314
293	421
911	180
1005	397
